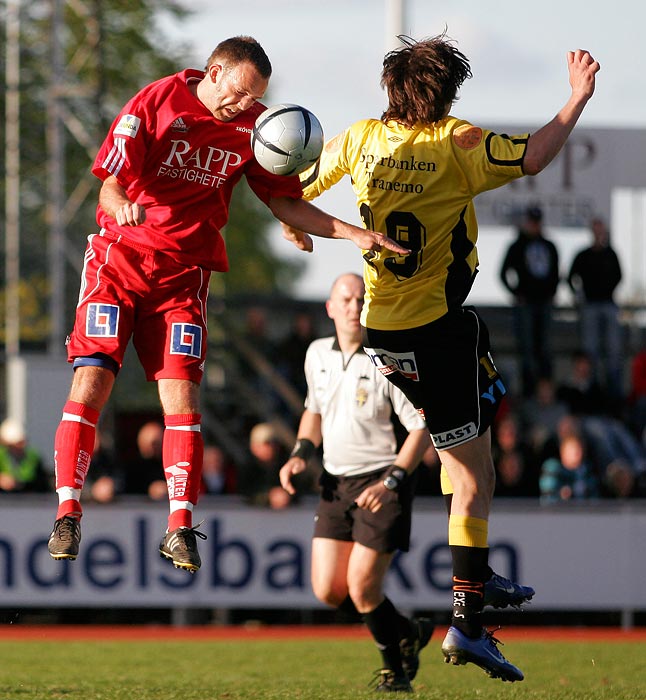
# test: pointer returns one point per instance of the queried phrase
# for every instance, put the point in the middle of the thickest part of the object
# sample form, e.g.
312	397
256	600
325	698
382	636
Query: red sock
183	452
73	447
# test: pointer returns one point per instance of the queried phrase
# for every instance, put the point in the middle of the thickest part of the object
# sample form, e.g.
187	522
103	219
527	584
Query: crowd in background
578	436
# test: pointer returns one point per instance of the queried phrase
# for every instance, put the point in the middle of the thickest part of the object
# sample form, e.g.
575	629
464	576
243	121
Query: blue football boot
500	592
459	649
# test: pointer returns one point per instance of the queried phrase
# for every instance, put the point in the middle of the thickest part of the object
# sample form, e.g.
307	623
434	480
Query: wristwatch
395	478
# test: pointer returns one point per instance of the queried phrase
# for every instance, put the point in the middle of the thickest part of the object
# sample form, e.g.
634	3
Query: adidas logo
179	125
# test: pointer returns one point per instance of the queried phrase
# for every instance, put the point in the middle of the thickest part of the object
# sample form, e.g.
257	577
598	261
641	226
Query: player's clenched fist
130	214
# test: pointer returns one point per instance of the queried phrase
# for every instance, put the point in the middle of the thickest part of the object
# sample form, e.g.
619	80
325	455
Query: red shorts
133	291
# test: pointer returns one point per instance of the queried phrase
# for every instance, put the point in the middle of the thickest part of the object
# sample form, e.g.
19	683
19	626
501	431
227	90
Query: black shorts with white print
446	370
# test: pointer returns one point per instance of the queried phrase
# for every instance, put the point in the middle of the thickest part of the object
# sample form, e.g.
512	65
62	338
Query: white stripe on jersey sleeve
116	158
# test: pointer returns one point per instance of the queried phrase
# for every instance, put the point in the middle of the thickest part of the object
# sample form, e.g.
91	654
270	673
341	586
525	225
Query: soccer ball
287	139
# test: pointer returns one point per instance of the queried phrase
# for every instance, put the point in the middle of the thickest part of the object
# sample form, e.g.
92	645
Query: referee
364	514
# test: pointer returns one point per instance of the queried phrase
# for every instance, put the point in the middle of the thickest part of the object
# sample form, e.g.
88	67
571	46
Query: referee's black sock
384	624
347	609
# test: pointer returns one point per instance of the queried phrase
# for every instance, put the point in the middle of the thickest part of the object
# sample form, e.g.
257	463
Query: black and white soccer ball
287	139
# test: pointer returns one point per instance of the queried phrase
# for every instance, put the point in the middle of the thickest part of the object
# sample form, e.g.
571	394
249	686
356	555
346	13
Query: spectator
540	415
620	480
259	478
105	479
637	395
582	392
259	349
218	472
593	277
21	467
530	271
570	476
292	350
516	471
255	332
615	455
615	452
145	475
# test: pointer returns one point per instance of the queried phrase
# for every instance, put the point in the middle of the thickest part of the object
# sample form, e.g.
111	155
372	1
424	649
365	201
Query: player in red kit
168	166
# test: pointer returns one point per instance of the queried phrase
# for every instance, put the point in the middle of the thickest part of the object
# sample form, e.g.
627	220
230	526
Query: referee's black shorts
339	518
446	371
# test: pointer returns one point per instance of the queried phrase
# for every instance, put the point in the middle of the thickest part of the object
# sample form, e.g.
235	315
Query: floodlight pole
395	22
56	186
12	180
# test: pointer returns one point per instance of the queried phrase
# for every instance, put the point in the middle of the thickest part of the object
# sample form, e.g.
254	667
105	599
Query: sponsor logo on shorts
128	126
102	320
450	438
494	391
388	362
186	339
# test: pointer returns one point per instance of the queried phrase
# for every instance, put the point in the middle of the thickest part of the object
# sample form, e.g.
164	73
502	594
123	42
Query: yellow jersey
417	186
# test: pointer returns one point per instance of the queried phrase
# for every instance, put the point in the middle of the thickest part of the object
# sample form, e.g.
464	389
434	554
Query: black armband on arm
304	449
395	477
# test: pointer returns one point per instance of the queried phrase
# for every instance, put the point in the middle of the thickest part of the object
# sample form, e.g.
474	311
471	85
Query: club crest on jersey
102	320
388	362
467	136
128	126
186	339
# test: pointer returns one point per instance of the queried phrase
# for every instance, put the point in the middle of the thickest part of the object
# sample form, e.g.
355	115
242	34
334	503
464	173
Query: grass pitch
304	669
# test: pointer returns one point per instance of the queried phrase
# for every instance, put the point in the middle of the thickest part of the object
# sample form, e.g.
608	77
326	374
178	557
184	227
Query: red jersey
180	163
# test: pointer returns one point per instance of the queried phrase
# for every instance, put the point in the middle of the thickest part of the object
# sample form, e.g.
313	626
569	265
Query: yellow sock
445	482
466	531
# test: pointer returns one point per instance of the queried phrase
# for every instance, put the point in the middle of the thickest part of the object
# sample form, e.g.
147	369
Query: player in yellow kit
415	173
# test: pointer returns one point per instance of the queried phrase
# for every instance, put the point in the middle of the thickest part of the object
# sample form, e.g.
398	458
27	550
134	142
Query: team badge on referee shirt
361	396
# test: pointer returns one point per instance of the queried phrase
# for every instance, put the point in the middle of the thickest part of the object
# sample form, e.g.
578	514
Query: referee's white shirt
355	402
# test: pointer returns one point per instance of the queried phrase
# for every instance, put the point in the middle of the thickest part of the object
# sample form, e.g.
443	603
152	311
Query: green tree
254	267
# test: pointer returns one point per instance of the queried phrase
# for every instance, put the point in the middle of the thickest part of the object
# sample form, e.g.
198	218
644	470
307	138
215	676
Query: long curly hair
422	79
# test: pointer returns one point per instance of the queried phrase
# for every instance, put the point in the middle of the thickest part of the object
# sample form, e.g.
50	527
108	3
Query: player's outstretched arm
301	215
545	144
302	240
